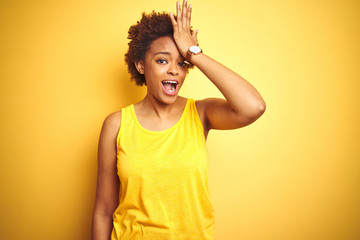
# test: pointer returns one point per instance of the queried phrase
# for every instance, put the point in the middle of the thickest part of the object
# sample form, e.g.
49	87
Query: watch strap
189	55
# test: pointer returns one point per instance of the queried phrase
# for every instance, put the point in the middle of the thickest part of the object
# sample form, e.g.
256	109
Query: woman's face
164	70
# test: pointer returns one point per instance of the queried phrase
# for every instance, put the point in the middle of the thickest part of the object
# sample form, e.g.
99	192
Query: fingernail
190	6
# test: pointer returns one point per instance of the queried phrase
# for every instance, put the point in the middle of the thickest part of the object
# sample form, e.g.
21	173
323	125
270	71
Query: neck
151	104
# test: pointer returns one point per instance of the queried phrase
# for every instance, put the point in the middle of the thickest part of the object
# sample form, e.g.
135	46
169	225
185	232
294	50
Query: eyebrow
166	53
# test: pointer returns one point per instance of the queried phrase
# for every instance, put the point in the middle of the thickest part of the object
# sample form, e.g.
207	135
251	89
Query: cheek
183	74
153	76
154	71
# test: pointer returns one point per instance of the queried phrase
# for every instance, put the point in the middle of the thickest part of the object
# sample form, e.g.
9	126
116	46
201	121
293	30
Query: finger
184	8
173	21
189	15
184	12
194	34
194	37
178	12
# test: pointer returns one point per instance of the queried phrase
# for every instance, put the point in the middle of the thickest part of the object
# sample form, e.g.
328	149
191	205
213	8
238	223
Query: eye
182	64
161	61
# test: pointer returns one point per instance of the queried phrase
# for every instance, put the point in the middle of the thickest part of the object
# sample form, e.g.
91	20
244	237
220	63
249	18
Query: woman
153	153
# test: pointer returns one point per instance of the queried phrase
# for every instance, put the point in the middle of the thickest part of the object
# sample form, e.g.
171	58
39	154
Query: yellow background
292	175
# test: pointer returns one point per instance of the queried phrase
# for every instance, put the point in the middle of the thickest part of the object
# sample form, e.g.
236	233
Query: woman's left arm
243	104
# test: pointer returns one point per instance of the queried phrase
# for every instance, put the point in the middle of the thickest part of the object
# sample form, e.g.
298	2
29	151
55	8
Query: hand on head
182	30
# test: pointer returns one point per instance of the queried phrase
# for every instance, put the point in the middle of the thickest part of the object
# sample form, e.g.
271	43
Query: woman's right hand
182	28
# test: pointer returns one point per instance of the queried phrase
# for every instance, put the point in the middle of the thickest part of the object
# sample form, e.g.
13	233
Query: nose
173	69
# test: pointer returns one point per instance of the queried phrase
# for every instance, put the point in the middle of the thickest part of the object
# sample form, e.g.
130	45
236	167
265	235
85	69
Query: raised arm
107	190
243	104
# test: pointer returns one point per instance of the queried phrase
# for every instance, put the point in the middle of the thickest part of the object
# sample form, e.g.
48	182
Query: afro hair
151	27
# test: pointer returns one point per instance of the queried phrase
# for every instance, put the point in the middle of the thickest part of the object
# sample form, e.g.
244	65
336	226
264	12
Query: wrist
193	50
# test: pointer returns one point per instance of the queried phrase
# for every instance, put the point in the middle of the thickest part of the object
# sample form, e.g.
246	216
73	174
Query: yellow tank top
164	183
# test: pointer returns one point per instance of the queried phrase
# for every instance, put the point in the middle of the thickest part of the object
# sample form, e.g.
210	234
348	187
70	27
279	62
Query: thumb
194	34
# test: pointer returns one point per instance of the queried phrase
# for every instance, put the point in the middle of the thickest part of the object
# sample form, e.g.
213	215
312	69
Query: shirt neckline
162	131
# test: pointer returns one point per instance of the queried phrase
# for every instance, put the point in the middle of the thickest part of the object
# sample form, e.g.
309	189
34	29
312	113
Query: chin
168	99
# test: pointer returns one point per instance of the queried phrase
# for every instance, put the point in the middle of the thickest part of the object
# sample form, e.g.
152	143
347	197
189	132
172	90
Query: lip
167	92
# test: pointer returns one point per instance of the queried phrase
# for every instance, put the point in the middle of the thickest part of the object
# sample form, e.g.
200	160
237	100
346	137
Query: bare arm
243	104
107	190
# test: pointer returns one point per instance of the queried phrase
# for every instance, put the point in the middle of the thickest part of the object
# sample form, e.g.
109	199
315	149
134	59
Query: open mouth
170	86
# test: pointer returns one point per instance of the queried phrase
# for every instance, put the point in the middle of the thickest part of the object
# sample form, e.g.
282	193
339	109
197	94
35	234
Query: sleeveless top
163	180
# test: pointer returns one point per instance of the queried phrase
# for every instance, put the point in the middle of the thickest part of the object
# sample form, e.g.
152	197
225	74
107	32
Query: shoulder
113	118
204	104
202	107
208	107
111	124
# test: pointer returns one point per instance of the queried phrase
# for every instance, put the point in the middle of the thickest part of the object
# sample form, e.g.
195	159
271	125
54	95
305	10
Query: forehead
163	44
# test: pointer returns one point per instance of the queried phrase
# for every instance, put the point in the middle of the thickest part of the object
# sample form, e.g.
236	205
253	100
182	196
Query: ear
139	66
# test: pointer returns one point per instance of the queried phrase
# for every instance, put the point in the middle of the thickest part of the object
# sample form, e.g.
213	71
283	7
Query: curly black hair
151	27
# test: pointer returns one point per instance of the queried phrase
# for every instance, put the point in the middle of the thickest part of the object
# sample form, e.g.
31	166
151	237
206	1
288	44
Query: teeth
172	82
172	87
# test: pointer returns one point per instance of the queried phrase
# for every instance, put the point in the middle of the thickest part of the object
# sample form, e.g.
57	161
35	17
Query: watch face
195	49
